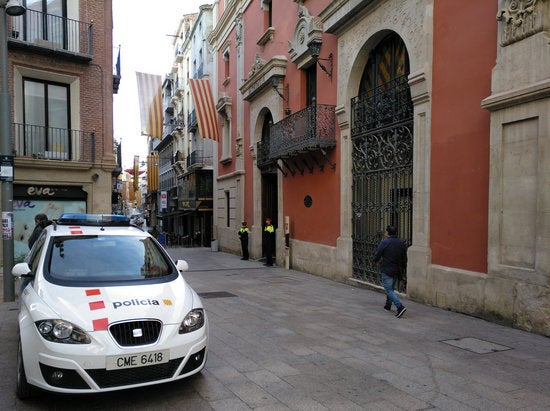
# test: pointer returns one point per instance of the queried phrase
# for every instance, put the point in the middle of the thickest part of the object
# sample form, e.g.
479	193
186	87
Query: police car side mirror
182	266
22	270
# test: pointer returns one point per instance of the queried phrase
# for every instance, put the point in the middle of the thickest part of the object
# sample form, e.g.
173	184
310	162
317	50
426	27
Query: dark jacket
243	234
393	252
37	230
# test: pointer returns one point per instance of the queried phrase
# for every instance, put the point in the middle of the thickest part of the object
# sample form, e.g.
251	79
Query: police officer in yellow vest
243	235
269	241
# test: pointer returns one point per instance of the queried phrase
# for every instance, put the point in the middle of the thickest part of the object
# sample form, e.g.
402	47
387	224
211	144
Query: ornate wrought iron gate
382	137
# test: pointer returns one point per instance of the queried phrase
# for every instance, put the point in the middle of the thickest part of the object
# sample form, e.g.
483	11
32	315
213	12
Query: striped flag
150	104
204	106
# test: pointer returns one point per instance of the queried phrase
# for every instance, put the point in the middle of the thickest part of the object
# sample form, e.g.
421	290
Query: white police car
105	308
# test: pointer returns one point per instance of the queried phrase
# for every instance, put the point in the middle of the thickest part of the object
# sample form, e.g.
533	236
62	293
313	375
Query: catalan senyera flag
150	104
205	108
153	171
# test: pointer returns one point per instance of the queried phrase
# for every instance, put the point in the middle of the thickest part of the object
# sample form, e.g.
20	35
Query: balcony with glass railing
51	143
43	32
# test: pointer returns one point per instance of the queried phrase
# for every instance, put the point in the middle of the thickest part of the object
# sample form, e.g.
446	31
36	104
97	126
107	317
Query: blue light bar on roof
100	220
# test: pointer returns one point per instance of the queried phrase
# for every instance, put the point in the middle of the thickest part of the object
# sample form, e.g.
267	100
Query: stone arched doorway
382	155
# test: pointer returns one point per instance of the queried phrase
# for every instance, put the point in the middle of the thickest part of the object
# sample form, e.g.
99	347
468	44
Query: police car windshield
110	258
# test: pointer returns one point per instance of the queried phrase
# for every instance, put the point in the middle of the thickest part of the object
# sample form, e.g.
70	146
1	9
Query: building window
267	7
53	28
226	137
58	119
201	62
224	108
46	118
227	209
226	66
387	62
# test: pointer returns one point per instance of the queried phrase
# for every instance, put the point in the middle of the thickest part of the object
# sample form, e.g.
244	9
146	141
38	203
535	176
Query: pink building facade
341	117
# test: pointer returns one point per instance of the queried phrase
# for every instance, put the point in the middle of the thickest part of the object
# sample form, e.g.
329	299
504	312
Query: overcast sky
140	29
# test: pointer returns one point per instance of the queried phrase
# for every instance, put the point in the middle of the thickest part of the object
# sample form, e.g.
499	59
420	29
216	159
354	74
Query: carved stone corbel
520	19
309	30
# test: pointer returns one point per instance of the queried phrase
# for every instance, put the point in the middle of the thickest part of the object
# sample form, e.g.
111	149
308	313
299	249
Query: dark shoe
387	307
400	311
268	265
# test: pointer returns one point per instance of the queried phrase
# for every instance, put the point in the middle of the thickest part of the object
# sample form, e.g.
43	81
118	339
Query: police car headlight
192	321
62	332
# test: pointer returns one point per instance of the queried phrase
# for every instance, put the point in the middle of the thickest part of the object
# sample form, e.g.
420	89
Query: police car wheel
24	390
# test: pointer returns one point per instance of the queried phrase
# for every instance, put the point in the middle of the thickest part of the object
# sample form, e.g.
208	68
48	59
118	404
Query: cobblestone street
285	340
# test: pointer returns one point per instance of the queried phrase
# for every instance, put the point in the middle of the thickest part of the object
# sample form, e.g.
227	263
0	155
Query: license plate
118	362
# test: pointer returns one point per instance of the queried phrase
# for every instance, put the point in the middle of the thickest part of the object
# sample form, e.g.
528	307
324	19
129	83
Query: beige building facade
515	287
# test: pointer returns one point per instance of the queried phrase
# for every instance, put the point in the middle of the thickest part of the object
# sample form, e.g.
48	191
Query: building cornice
341	13
226	23
511	98
262	76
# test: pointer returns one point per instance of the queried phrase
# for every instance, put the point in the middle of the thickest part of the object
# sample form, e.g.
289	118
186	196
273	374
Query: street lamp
13	8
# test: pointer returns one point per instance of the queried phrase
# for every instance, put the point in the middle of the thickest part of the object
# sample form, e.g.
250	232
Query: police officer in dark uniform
243	235
269	241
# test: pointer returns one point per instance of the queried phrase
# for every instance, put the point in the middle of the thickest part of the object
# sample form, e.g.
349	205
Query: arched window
388	61
268	121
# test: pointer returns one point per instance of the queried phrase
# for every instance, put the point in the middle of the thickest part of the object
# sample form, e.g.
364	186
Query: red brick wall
96	88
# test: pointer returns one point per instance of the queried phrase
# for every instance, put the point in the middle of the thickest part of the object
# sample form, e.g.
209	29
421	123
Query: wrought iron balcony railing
262	155
50	32
381	106
197	160
192	121
310	129
52	143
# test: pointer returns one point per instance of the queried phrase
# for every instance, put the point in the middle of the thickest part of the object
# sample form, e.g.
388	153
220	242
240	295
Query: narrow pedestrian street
286	340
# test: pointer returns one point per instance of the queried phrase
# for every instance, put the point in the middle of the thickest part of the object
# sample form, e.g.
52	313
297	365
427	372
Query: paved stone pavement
285	340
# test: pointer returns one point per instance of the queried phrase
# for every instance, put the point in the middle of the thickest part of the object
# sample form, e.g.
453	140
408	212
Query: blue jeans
391	297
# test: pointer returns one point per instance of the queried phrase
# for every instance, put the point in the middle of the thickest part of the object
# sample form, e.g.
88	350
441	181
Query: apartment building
186	153
60	76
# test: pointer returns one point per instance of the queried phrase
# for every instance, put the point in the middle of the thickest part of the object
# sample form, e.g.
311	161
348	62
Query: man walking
243	235
393	253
